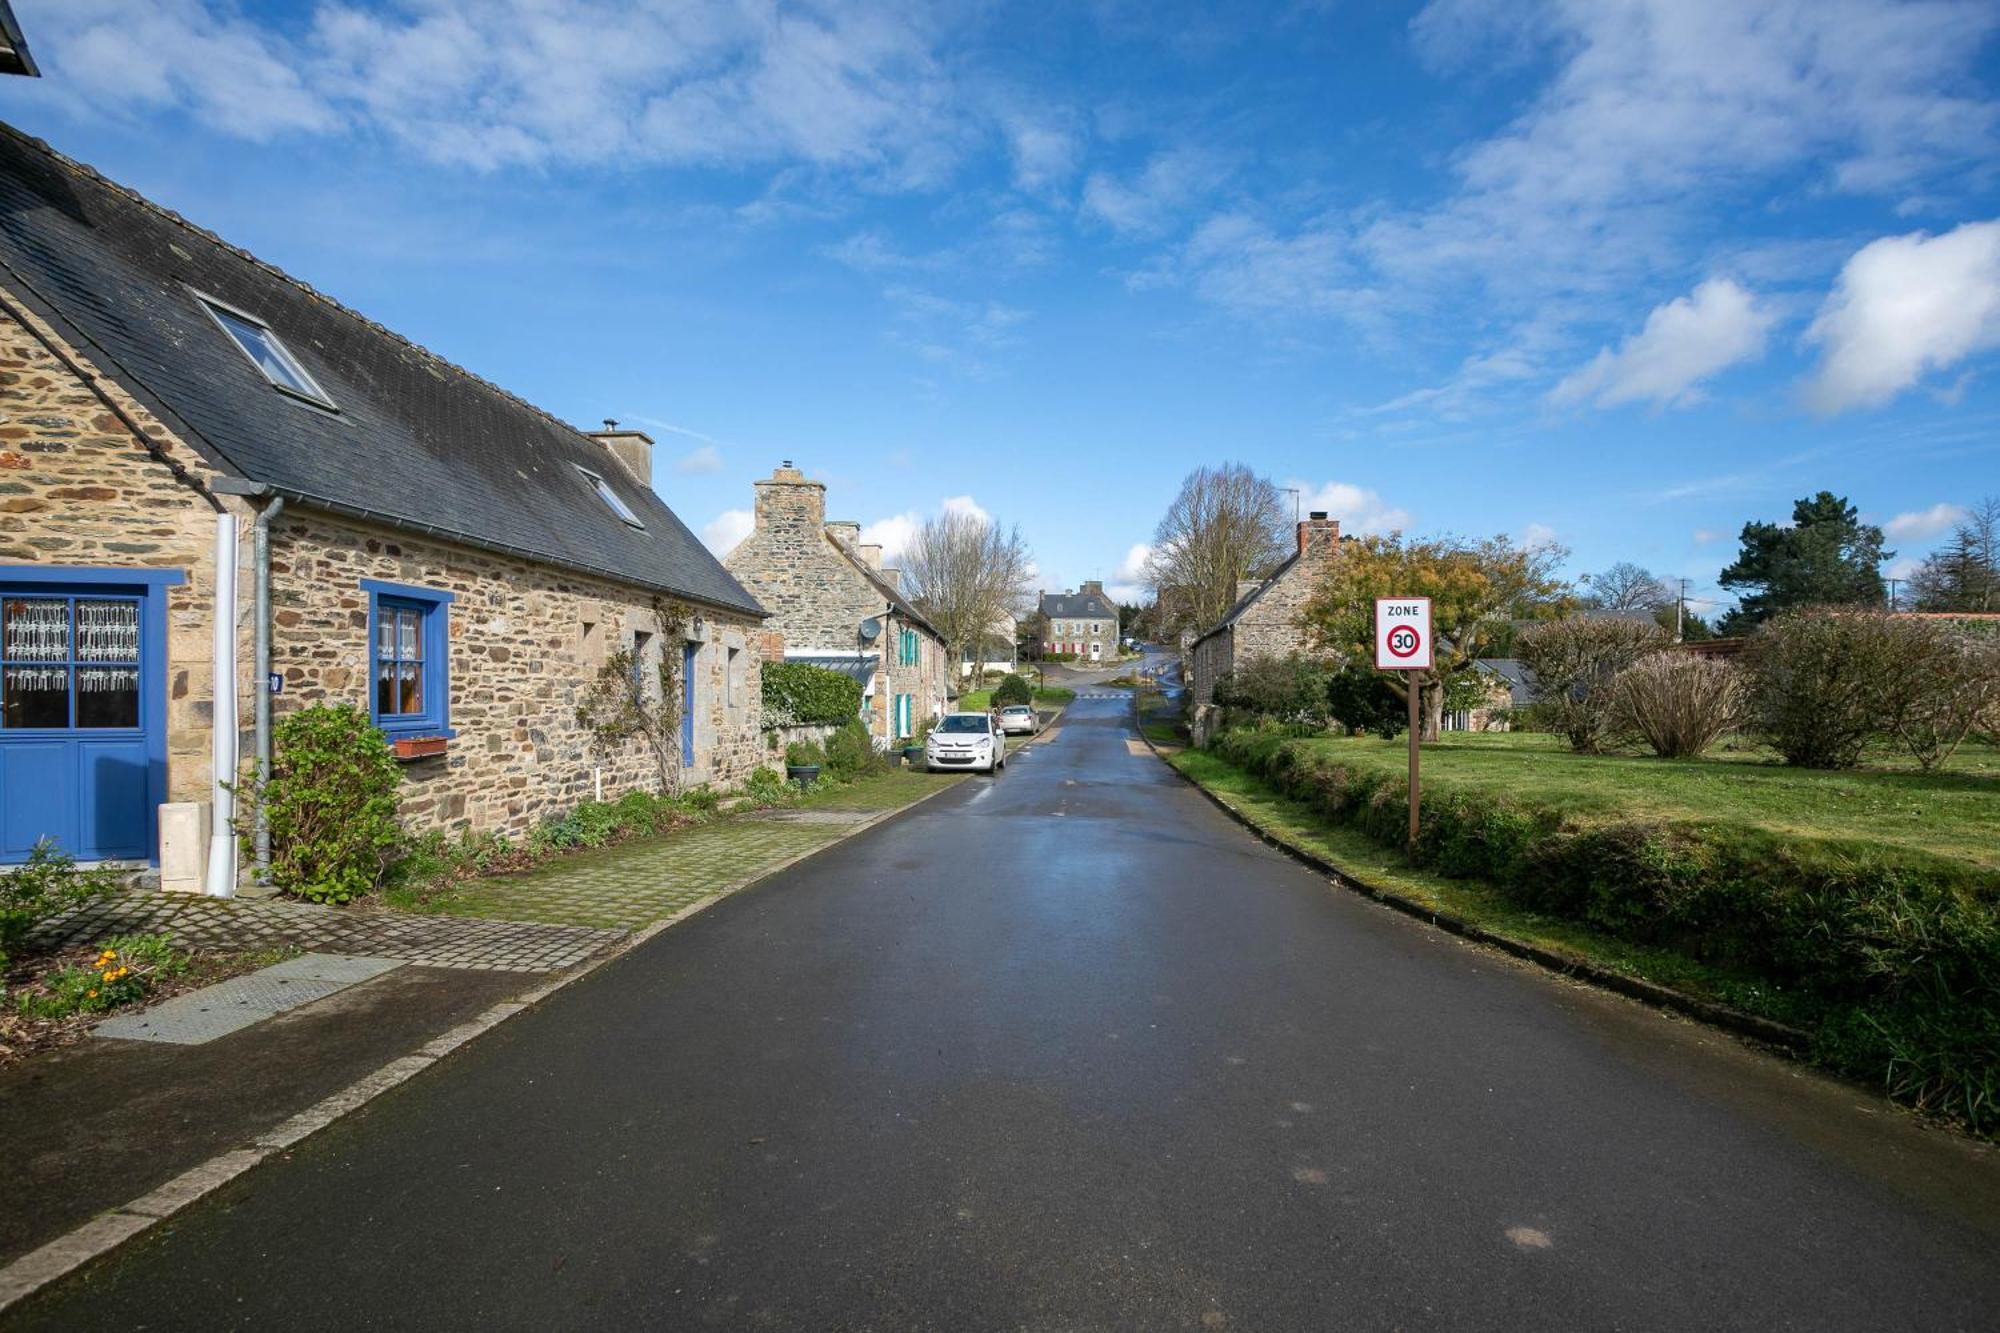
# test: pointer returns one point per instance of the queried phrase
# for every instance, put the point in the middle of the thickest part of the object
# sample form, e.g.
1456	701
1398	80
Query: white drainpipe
222	737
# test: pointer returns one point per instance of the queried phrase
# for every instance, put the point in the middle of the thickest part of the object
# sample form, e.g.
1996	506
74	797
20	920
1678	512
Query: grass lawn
979	701
1299	825
1953	814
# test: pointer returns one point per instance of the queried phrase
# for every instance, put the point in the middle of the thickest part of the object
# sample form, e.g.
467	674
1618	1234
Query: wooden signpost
1403	643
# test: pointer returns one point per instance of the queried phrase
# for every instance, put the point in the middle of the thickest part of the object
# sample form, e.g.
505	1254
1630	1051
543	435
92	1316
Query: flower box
418	747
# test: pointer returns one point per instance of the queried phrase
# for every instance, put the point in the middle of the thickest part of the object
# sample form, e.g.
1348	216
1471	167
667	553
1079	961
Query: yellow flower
90	995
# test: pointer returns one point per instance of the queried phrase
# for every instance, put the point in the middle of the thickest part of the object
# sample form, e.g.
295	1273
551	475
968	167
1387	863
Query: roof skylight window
256	340
610	497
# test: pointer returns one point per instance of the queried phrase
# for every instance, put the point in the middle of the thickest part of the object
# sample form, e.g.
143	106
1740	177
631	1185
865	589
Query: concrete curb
109	1230
1763	1030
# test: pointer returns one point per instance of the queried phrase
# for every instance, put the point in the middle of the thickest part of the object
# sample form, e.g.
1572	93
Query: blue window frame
409	659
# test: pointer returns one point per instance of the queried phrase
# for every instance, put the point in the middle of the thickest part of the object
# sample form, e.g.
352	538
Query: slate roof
1509	671
417	442
1249	599
1071	605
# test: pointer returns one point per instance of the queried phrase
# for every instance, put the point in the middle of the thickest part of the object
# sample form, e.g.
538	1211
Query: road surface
1067	1050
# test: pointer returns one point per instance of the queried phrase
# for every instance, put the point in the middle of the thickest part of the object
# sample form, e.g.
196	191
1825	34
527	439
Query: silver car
1019	720
966	740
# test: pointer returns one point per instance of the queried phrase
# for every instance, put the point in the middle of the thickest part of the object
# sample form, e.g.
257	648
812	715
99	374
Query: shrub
331	803
805	754
1290	689
1358	698
1013	690
767	786
1574	663
1947	687
48	882
1679	702
1824	682
850	752
799	694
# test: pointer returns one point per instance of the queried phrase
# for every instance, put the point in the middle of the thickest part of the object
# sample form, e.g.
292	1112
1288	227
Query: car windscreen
959	722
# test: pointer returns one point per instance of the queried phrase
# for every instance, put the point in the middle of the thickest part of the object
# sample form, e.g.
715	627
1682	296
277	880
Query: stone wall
526	642
809	575
77	488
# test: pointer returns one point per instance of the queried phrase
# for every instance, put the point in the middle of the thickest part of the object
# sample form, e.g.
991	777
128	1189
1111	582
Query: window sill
408	749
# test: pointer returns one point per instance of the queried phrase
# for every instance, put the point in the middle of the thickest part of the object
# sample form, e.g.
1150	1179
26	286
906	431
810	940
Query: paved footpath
1069	1050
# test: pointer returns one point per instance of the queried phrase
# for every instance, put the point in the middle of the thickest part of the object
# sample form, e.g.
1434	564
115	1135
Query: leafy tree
1476	589
1826	556
1227	524
1361	700
1965	575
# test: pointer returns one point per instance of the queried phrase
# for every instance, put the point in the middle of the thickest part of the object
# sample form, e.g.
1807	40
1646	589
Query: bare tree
1965	574
1226	525
1627	587
966	574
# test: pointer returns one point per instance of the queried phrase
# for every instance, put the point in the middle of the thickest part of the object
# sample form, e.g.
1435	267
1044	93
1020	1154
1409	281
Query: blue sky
1617	273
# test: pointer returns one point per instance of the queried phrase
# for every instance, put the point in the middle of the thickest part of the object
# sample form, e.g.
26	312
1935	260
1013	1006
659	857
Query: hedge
1893	969
798	694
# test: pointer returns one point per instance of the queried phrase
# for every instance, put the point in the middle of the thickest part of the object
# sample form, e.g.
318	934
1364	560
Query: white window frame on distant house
297	381
612	500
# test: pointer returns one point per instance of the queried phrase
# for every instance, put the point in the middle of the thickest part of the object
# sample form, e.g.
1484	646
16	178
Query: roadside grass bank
979	701
1773	899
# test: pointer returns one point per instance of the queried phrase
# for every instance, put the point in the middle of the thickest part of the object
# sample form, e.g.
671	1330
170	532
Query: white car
966	740
1019	720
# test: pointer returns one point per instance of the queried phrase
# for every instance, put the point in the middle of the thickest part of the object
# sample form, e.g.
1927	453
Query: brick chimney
788	503
1319	536
632	448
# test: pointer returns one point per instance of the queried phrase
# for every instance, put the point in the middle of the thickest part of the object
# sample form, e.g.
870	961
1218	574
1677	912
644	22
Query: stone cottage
205	462
1265	620
1081	624
832	603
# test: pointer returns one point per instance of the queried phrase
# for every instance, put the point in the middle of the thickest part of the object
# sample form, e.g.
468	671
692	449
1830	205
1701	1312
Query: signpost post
1403	643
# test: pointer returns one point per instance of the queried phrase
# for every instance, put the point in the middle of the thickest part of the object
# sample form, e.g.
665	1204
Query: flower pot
803	774
913	755
418	747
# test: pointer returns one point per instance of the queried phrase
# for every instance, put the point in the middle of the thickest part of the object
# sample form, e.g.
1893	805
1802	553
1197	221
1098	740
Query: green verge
1887	954
978	701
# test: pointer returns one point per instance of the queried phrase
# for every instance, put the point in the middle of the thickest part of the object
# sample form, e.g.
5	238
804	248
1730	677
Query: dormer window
610	497
254	338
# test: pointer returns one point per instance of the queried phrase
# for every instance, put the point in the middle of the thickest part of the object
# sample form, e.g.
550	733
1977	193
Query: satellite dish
871	629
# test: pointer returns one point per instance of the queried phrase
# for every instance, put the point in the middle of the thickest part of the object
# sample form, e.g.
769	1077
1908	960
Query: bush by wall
1893	967
1574	663
331	803
1015	689
800	694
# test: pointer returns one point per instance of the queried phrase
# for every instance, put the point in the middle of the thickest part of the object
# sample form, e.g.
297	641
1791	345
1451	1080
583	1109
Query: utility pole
1680	612
1892	595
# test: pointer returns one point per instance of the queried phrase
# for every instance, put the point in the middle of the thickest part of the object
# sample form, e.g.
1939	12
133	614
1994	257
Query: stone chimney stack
893	577
848	532
1091	586
1319	536
632	448
871	555
787	502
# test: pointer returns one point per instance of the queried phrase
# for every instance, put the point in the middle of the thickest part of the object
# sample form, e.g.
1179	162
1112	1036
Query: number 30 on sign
1402	633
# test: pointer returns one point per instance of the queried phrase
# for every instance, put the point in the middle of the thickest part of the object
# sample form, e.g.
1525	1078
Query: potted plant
913	748
803	761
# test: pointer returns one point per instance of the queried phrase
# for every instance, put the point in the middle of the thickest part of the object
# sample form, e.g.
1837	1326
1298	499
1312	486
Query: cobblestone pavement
240	923
637	883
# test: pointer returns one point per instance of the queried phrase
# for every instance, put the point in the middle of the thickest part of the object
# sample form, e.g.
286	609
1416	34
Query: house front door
82	726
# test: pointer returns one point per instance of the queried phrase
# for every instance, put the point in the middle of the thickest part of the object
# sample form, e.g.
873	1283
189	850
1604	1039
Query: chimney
788	503
1092	586
632	448
1319	536
847	532
892	577
871	555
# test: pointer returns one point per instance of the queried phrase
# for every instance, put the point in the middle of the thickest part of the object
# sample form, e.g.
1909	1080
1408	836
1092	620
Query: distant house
441	554
1264	622
832	603
1081	624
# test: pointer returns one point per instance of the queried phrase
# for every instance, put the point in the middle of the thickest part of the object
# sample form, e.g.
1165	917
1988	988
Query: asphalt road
1067	1050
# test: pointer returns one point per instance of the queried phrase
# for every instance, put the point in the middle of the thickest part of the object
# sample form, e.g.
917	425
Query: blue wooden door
687	704
81	749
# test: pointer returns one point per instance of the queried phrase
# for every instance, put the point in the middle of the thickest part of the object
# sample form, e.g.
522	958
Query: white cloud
1684	342
892	534
1362	512
1905	305
1161	190
965	504
1538	534
490	83
701	463
1045	155
722	533
1132	569
1703	536
1923	524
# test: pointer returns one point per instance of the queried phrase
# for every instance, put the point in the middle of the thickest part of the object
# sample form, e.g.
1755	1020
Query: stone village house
1265	620
832	603
1083	624
440	552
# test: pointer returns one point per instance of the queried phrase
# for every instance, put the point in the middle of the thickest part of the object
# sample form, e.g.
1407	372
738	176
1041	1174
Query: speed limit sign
1402	633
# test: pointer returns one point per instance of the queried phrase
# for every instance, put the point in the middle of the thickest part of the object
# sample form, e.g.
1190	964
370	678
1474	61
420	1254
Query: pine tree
1826	556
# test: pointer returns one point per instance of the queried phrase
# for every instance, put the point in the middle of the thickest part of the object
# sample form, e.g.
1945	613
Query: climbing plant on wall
634	700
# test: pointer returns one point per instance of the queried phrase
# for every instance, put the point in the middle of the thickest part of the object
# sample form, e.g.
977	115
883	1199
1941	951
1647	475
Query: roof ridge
213	238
